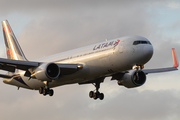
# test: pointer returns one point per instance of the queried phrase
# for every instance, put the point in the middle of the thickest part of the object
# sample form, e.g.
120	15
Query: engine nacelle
47	72
131	80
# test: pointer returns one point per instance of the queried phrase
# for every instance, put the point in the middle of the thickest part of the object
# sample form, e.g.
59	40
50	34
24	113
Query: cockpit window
141	42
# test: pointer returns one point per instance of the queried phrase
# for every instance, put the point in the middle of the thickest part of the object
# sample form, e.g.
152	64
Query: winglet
175	62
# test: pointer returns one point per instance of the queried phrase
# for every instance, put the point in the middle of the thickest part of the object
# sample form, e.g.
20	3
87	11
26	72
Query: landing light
79	66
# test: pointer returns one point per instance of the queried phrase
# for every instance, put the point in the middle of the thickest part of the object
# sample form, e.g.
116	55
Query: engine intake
132	79
47	72
52	71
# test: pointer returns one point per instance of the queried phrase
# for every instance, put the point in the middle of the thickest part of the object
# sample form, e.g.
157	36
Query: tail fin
13	49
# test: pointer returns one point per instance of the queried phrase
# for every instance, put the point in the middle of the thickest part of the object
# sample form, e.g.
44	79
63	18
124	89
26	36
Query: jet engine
132	79
47	72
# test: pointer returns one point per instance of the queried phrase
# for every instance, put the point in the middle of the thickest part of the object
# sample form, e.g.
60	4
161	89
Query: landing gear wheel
95	96
41	90
51	92
101	96
91	94
45	92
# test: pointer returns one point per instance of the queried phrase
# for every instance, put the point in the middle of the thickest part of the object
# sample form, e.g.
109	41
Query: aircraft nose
148	51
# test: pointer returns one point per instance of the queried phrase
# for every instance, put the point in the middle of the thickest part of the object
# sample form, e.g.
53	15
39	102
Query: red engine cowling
132	79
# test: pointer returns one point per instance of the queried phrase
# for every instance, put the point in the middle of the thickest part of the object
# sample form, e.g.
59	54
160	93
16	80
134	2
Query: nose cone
148	52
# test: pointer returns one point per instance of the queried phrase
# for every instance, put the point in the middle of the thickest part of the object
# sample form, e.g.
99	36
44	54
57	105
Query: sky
45	27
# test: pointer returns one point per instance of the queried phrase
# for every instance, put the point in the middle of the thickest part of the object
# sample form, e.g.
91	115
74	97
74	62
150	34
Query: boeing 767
122	59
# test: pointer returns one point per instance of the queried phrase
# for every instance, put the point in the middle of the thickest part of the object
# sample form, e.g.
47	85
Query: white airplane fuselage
101	59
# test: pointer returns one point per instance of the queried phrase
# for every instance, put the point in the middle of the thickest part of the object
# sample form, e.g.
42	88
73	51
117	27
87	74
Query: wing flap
7	68
5	76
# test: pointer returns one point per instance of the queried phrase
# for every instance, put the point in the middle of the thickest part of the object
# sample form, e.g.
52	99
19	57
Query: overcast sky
47	27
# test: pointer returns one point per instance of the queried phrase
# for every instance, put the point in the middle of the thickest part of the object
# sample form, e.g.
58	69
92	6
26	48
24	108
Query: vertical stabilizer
13	49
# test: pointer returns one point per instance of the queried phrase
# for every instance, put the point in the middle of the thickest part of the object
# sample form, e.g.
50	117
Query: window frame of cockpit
137	42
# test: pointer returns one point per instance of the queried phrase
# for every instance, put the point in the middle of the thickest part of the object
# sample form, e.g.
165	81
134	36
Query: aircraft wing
147	71
175	65
10	65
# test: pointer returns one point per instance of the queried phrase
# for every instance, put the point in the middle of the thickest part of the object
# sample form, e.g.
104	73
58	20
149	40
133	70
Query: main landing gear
46	90
96	94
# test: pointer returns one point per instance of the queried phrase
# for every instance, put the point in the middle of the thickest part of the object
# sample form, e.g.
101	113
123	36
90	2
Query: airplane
123	59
